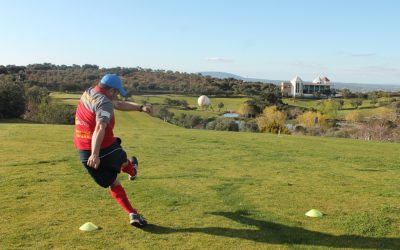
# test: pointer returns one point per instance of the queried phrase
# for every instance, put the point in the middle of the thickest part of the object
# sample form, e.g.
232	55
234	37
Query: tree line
137	80
21	86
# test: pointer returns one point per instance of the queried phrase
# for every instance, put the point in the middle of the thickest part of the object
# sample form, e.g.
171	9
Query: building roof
317	80
325	79
297	79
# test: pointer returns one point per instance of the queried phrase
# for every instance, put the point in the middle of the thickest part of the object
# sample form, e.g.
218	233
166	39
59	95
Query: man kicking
100	152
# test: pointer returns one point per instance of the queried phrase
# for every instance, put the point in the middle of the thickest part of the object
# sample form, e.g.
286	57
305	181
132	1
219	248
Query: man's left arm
129	106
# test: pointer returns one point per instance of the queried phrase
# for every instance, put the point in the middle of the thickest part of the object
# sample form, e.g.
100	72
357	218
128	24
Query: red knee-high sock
118	193
129	169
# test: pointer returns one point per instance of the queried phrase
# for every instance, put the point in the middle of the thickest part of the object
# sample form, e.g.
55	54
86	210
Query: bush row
32	103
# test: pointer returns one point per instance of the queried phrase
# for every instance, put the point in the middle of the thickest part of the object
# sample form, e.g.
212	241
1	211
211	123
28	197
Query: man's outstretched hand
146	109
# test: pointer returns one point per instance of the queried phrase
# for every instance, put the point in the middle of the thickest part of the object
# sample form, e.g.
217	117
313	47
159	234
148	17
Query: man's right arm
97	139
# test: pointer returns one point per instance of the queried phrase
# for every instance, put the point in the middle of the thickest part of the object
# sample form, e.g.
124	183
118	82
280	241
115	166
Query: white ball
203	101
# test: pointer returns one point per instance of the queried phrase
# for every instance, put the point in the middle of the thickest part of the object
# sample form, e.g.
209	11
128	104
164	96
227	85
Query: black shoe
137	220
135	164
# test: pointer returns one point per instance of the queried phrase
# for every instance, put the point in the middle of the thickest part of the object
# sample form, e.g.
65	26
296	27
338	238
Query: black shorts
111	159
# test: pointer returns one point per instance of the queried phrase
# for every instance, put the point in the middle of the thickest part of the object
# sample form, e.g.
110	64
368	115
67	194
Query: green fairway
230	104
200	189
366	109
313	103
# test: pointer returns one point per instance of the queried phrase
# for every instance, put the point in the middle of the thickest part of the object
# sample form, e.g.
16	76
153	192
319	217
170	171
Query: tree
248	109
36	94
354	116
346	93
34	97
220	106
341	103
355	103
373	97
12	101
269	95
311	119
329	108
272	120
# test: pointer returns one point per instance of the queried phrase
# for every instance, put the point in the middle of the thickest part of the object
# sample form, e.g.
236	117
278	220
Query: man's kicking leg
130	167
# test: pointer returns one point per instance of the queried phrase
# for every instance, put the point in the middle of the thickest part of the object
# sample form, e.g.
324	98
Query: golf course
200	189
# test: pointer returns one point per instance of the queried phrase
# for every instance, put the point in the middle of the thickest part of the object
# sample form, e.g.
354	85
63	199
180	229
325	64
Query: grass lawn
312	103
200	189
230	103
366	109
62	95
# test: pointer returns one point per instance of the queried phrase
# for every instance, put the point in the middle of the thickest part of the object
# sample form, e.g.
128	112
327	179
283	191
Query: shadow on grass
352	108
273	233
17	120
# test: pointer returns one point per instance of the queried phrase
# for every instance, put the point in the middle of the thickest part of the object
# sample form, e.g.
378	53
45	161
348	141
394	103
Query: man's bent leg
118	193
130	167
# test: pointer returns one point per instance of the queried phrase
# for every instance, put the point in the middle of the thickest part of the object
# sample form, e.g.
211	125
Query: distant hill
354	87
364	87
220	75
224	75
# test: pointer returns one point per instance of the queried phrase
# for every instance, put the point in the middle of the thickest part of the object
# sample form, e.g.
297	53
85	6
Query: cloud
353	54
362	54
219	60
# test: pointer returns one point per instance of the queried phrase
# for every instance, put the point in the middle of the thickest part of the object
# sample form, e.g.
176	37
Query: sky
345	40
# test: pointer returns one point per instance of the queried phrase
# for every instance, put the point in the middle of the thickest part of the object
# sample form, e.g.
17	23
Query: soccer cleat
135	164
137	220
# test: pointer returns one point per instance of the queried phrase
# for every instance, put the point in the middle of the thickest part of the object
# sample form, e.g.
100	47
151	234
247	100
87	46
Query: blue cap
113	81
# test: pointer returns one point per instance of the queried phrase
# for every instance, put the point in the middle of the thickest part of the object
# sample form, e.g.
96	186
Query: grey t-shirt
99	104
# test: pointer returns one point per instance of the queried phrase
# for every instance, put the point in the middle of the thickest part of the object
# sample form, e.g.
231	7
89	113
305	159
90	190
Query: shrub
342	134
226	124
311	119
248	126
187	120
248	109
211	125
161	111
272	120
182	103
56	113
34	96
339	133
354	116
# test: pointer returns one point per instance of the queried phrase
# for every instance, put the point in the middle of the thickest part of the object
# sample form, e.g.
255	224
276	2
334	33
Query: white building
298	87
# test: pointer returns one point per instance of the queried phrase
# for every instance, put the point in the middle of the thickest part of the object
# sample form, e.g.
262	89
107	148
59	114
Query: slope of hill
200	189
